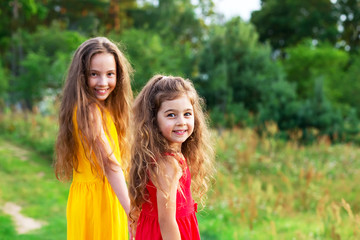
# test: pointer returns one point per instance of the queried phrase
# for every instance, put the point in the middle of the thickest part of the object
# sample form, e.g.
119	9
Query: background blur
281	90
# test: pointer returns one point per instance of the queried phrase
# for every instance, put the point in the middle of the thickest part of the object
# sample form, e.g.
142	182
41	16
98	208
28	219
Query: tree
47	53
349	85
150	54
18	14
177	21
349	12
285	23
3	86
317	112
281	106
91	16
234	68
29	86
306	62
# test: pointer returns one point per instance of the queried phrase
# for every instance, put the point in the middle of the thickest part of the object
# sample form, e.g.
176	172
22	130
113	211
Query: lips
101	91
180	132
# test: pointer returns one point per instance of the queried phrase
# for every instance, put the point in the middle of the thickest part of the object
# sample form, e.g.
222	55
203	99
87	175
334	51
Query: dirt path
21	153
23	224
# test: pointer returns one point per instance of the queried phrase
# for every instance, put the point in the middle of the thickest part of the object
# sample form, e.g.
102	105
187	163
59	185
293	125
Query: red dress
148	224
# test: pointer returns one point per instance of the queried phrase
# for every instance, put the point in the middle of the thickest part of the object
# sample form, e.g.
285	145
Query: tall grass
266	188
28	181
29	129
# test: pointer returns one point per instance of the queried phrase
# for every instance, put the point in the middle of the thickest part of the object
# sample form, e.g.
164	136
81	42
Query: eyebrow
173	110
95	70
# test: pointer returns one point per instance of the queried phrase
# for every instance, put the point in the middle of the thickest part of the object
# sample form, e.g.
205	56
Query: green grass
265	188
270	189
28	181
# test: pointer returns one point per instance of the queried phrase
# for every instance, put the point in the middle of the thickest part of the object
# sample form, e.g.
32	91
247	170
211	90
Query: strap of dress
182	160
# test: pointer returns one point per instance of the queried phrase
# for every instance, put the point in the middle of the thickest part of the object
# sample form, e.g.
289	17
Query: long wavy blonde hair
149	144
77	95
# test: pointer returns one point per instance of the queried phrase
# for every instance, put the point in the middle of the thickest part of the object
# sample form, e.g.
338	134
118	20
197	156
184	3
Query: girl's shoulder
179	158
168	170
171	164
93	112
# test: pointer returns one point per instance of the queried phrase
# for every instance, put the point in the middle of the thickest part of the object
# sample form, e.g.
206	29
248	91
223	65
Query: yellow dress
93	210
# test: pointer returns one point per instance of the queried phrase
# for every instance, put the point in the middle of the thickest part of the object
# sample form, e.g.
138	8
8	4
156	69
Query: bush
29	129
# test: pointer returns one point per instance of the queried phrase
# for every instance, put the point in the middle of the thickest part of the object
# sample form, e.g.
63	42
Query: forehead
180	103
102	60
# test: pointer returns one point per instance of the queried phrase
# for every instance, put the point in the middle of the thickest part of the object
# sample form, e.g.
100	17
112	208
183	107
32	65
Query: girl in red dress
172	157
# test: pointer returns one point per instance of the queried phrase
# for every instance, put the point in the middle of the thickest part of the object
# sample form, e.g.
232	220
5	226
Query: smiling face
102	77
175	119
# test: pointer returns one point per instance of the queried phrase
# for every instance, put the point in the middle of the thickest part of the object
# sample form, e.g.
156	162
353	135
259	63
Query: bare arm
167	205
116	179
113	170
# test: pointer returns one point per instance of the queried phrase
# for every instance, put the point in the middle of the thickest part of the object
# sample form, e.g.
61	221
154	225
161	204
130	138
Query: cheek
90	82
192	125
166	127
161	125
192	122
112	83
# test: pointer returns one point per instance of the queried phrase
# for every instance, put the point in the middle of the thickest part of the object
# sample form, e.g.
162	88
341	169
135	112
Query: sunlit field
264	188
270	189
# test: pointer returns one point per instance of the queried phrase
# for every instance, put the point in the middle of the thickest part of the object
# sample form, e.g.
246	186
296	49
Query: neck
175	148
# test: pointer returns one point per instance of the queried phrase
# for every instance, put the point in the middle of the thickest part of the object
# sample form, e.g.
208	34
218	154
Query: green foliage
281	106
239	77
270	189
265	188
349	21
324	89
164	38
151	54
306	62
235	69
20	14
52	40
32	130
3	85
174	20
46	56
348	87
285	23
236	115
30	85
314	116
92	17
318	113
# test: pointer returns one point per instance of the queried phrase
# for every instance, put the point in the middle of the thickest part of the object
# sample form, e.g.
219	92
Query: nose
102	80
181	120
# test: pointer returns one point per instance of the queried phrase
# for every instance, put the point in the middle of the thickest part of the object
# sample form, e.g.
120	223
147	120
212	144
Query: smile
180	132
101	91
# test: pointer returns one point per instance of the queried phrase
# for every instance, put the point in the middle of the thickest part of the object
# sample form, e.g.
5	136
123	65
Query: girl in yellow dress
92	144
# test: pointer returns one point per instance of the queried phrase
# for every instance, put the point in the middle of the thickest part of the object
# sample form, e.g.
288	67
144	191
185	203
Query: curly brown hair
77	95
149	144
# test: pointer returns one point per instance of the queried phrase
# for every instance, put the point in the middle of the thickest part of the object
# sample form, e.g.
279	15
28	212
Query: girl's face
175	119
102	78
